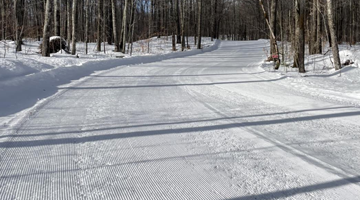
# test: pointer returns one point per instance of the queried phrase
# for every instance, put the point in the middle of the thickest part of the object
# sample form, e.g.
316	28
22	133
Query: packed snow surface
214	125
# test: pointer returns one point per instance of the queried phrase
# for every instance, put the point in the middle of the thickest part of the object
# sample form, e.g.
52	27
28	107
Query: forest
307	25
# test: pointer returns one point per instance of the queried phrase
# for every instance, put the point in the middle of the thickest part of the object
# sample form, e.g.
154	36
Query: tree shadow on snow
75	140
171	85
300	190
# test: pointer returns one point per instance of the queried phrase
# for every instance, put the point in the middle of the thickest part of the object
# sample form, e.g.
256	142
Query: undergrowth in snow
321	79
29	61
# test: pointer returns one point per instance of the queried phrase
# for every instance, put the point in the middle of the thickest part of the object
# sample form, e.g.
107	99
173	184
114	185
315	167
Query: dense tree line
119	22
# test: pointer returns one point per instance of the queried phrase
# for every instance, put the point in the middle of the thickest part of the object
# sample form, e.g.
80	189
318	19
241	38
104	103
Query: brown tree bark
124	26
183	25
199	24
68	10
74	24
19	13
87	7
299	57
3	19
99	24
115	29
173	22
178	23
318	43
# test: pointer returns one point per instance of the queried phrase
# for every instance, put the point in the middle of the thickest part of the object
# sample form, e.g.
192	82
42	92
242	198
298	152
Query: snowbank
321	80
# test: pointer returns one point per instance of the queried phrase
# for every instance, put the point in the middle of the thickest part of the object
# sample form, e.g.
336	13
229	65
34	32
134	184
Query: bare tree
178	23
272	36
3	19
99	24
273	19
68	12
182	14
74	24
114	23
56	18
19	13
46	31
124	26
199	23
334	42
299	57
86	26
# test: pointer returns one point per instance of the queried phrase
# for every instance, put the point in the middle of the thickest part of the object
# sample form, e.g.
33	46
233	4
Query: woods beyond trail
120	22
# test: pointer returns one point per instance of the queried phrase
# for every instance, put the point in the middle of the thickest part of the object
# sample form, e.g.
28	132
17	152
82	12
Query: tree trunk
183	25
131	25
178	23
353	22
214	21
56	18
114	23
74	24
272	35
87	7
99	20
299	57
3	19
313	31
124	26
172	25
273	20
19	9
46	31
318	43
334	42
199	23
68	10
104	24
150	28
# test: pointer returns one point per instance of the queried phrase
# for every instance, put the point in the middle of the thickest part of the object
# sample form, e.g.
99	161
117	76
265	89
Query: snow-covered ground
321	79
216	125
29	61
27	78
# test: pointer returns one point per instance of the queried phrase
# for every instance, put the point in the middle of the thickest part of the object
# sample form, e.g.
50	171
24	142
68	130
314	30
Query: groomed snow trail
208	126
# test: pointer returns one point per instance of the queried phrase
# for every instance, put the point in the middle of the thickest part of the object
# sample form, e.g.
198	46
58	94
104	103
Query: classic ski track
131	174
286	148
176	193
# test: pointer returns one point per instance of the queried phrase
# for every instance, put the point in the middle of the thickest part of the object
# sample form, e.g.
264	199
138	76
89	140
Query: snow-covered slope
29	60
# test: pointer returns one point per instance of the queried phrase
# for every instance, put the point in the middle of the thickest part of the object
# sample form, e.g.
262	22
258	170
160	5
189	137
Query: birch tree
46	30
334	42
